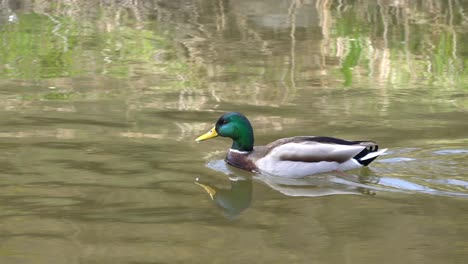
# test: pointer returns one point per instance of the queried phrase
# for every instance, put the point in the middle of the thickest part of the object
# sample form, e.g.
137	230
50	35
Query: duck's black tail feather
369	154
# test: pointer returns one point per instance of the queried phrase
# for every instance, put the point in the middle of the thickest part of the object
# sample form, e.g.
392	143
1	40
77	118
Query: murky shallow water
99	114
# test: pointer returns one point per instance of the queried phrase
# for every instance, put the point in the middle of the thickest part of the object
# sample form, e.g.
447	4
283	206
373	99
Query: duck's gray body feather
302	156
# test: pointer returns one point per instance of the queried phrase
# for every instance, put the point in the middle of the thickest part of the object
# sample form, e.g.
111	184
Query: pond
101	102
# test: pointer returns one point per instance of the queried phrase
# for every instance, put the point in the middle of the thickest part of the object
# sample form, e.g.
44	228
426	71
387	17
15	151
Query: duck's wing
317	149
302	156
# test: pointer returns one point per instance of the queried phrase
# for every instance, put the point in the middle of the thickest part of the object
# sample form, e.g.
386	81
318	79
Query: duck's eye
225	121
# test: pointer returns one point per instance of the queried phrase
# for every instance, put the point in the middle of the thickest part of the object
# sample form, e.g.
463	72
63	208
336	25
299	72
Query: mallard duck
293	157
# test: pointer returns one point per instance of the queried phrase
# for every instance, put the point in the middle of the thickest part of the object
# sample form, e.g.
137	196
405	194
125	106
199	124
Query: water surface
100	103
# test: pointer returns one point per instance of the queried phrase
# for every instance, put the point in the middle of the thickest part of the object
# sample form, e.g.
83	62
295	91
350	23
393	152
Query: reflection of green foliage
31	50
421	51
50	96
40	46
126	47
442	53
57	96
349	25
351	60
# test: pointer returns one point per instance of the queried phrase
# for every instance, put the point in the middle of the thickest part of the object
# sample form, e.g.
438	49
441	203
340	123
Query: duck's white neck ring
238	151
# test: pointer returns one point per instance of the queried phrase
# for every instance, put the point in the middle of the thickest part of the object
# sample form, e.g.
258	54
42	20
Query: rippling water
100	103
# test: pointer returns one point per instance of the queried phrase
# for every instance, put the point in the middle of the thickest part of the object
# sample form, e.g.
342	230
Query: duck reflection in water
233	200
320	185
236	199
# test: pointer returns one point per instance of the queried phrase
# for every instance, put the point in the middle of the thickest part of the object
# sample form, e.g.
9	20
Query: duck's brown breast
241	160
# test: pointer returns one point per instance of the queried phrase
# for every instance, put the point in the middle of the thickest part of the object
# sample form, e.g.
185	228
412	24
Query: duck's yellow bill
210	134
211	191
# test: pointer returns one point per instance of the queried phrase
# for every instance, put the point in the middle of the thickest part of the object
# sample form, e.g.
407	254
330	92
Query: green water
100	103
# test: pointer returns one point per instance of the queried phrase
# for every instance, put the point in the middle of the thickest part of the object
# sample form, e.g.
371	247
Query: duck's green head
233	125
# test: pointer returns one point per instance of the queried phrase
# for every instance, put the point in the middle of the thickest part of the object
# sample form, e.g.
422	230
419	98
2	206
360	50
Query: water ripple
451	151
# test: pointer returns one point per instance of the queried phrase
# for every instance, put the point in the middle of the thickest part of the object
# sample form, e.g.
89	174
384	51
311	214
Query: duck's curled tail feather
367	155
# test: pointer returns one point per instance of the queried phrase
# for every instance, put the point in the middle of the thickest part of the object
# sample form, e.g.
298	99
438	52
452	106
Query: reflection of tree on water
249	52
211	31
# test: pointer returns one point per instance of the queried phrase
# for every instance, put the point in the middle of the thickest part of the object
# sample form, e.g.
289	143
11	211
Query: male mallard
292	157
